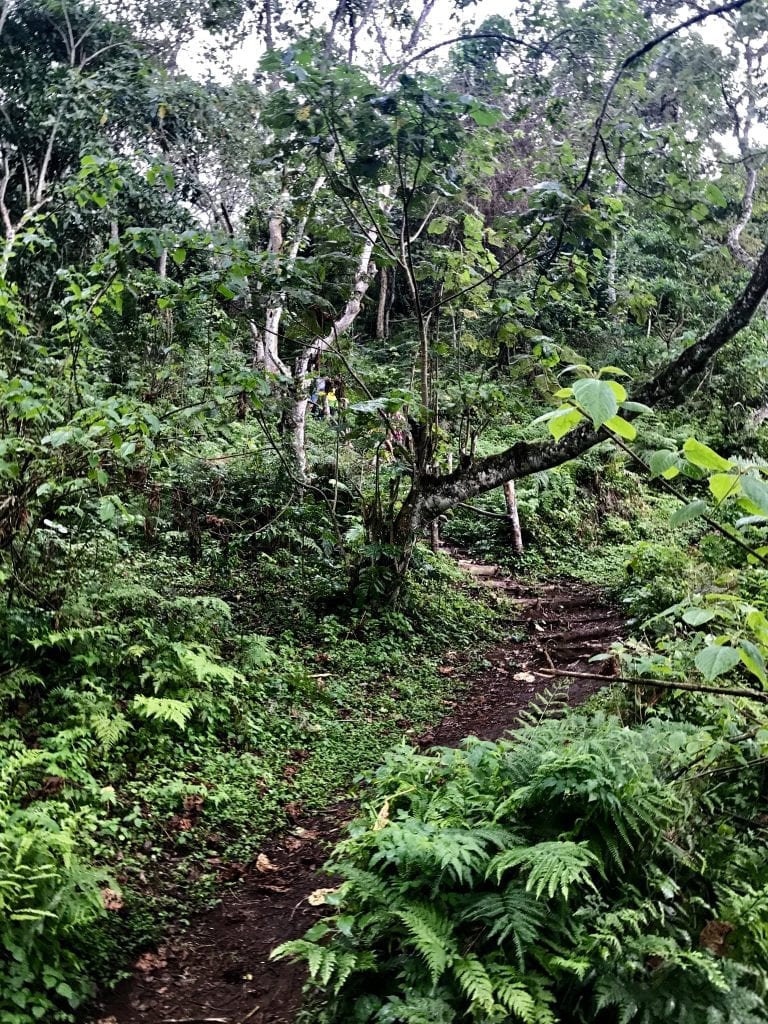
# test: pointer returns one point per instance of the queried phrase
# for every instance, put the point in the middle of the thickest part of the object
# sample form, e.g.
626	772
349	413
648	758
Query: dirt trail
218	971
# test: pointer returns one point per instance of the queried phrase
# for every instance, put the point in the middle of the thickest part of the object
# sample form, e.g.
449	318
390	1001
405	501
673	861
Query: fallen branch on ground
730	691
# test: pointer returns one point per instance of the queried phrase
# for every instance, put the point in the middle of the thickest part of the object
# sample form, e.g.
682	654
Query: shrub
562	876
46	895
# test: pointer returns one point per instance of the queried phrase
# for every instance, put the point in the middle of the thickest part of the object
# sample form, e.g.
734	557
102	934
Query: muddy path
218	971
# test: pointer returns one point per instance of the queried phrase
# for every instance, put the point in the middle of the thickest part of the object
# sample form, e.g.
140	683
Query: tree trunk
269	351
310	355
510	496
381	313
613	255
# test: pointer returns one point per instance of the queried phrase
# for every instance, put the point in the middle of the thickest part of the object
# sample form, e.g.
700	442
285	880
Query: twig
730	691
196	1020
735	5
727	769
482	511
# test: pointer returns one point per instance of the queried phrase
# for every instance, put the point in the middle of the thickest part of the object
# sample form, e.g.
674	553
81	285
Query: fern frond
514	911
475	982
165	709
551	866
431	933
109	729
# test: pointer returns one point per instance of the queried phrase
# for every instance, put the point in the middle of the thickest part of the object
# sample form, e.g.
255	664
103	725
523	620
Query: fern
514	996
475	982
164	709
514	913
431	933
550	866
551	702
109	729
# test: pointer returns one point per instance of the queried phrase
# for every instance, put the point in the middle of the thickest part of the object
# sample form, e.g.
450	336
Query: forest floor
218	970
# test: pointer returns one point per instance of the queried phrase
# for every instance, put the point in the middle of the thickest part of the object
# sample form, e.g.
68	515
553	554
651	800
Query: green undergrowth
165	718
581	521
584	871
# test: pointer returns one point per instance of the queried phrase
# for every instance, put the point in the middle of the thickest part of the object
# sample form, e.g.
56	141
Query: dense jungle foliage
288	291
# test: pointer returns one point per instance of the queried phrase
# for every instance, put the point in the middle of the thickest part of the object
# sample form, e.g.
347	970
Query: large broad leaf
753	659
704	457
690	511
662	462
724	485
621	427
438	226
714	661
564	420
618	389
757	492
697	616
715	196
597	398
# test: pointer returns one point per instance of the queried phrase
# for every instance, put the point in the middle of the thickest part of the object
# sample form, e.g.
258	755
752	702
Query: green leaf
723	485
597	398
615	370
438	226
688	512
698	616
621	427
753	660
564	420
179	255
638	407
662	461
704	457
757	491
715	196
715	660
618	389
107	510
486	117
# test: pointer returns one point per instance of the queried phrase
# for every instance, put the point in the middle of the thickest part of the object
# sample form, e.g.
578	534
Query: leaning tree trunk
269	349
297	416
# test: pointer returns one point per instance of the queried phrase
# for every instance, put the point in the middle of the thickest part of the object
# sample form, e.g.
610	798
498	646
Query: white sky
442	24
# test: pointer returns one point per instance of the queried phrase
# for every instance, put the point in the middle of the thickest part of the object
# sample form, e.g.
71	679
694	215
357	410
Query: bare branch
633	58
663	684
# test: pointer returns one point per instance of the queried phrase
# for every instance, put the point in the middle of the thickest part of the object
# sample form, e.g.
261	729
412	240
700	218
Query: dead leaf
446	670
525	677
305	833
382	817
111	899
263	863
714	936
149	962
317	898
